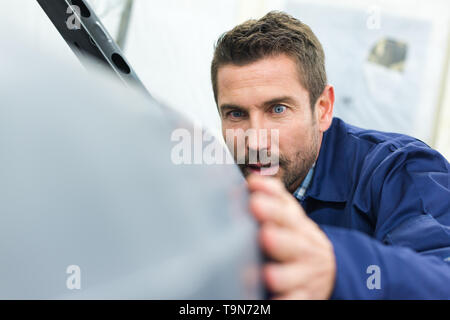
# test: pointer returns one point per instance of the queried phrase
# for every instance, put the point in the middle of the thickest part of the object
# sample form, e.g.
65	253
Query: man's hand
305	266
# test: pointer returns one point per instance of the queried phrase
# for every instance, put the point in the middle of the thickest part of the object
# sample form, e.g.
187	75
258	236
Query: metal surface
86	180
88	38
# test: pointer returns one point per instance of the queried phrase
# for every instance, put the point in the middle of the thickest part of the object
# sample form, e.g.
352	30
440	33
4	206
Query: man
350	213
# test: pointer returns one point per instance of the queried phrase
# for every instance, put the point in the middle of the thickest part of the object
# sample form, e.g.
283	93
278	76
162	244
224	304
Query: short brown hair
275	33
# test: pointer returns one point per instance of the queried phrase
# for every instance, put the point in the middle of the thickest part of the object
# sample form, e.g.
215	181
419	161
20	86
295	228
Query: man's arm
408	197
368	269
410	209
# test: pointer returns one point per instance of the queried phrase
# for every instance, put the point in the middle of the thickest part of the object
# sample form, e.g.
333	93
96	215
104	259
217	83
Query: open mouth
263	169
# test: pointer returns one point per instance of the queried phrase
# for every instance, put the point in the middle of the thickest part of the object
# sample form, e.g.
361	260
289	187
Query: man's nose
258	136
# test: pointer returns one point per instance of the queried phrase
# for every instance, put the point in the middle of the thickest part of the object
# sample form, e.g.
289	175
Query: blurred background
388	60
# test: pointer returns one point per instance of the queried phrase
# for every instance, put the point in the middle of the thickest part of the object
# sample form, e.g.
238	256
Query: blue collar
332	179
300	192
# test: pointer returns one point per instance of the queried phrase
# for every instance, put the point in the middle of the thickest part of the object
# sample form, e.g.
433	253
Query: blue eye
236	114
279	109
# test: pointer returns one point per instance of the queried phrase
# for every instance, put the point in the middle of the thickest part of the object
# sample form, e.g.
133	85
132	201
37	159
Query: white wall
170	45
443	121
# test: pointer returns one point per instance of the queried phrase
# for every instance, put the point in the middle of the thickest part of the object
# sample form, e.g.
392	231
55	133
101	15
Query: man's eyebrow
271	102
226	106
282	99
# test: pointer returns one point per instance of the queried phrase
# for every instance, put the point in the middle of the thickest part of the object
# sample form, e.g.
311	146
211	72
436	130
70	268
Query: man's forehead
278	73
280	66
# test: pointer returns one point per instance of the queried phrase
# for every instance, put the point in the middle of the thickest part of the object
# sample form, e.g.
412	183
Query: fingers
281	244
270	201
298	294
267	185
268	209
289	237
284	277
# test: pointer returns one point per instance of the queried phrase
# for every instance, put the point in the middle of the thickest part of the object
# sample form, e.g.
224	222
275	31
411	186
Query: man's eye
279	109
235	114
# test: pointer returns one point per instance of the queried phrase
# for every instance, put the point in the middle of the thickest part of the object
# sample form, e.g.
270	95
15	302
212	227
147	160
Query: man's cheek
235	142
280	173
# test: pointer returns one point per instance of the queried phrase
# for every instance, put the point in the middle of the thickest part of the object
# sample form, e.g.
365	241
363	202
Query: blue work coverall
383	199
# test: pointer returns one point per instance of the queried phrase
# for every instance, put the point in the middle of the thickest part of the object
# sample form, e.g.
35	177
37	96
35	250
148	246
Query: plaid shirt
300	192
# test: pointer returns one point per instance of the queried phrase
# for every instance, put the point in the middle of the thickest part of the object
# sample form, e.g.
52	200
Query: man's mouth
263	169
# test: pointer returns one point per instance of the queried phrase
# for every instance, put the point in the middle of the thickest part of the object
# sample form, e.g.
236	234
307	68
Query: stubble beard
294	170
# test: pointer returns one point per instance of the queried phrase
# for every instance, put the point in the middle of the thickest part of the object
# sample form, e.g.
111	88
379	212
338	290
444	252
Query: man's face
267	94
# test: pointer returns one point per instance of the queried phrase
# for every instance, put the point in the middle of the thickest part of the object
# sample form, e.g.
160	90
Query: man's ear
324	108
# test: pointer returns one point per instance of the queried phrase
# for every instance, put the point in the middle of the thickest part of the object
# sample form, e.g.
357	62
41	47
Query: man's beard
295	169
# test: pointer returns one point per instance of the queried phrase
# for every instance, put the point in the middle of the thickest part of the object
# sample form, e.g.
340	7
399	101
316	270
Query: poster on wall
379	64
